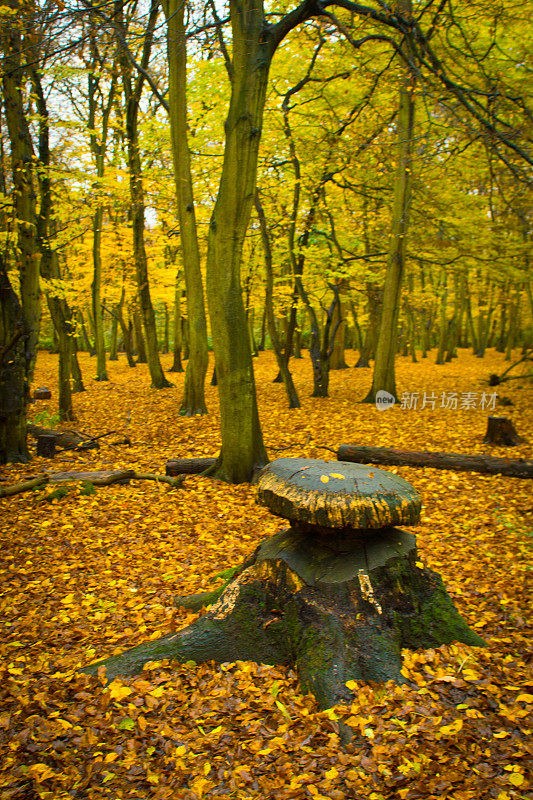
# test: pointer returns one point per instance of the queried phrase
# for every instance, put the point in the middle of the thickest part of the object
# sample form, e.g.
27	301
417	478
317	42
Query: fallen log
97	478
487	465
188	466
23	486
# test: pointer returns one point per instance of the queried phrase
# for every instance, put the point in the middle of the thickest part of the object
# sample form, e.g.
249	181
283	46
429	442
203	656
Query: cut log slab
188	466
335	609
487	465
337	496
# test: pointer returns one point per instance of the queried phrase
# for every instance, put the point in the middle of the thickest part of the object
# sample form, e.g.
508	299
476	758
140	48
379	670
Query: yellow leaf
453	727
180	751
40	772
118	691
352	685
324	478
331	774
199	785
110	757
336	475
524	698
159	692
516	779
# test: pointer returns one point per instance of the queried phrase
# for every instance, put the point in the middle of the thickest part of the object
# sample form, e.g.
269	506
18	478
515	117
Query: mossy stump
336	602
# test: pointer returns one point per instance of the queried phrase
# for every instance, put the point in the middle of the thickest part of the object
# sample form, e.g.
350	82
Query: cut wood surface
487	465
188	466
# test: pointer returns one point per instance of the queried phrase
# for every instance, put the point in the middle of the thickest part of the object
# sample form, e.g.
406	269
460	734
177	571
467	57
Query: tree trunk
374	295
384	374
486	465
194	394
59	312
290	388
97	311
176	346
113	343
24	201
242	450
14	386
336	609
132	93
140	348
337	360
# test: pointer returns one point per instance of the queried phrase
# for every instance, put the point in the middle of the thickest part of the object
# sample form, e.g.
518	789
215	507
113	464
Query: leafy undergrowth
86	576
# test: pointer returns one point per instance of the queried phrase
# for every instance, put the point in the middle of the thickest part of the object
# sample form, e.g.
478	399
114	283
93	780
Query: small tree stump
336	603
42	393
501	432
46	446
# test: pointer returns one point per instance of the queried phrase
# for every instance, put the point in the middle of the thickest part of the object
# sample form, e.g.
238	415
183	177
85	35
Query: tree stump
46	446
501	432
336	595
42	393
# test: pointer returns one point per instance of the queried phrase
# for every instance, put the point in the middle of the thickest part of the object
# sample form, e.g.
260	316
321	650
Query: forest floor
83	577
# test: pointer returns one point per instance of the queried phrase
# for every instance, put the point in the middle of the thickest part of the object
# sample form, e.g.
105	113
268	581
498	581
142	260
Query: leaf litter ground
86	576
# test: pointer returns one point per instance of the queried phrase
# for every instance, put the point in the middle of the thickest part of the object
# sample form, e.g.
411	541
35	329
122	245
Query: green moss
436	622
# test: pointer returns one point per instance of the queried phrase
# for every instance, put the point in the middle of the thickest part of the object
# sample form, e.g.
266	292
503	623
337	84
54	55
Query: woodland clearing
85	576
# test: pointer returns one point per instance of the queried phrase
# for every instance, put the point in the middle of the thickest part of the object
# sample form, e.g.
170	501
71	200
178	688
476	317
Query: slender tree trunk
96	289
337	360
138	336
384	374
374	300
166	332
126	329
59	311
77	378
132	93
290	389
194	397
113	342
176	364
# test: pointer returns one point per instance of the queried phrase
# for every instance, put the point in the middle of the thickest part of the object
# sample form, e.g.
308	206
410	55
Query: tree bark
243	450
338	323
14	386
193	401
176	347
384	373
501	431
290	388
337	610
24	200
132	93
188	466
487	465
